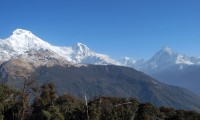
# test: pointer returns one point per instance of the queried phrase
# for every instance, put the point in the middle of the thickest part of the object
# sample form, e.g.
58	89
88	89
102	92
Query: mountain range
79	70
163	59
22	41
93	80
170	67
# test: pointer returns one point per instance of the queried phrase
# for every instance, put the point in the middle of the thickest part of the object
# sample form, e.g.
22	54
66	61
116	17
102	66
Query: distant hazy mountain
166	58
22	40
131	62
176	69
107	80
186	76
171	67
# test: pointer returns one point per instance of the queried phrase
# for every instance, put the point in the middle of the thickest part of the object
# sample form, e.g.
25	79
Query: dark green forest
43	103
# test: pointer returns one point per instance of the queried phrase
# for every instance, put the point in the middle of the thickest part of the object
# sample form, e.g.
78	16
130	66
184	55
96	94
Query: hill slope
107	80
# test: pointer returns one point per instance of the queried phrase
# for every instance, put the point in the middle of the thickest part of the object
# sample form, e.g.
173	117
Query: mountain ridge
107	80
164	61
27	41
22	40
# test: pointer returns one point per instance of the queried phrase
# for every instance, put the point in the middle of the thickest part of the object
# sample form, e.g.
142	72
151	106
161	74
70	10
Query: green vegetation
47	105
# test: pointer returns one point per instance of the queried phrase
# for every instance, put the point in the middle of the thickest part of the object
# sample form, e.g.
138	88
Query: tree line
46	104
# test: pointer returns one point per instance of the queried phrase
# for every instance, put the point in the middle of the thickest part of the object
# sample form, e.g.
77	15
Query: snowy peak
165	56
168	56
165	53
22	41
22	36
20	33
162	59
82	54
131	62
80	47
126	61
167	50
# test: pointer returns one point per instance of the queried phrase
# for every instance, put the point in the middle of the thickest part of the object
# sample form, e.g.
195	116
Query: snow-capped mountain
165	58
171	67
22	41
131	62
162	59
82	54
126	61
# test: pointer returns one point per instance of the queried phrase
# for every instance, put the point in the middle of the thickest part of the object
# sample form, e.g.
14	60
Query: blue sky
135	28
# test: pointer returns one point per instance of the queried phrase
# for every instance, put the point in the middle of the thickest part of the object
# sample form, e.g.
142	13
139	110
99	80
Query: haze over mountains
70	69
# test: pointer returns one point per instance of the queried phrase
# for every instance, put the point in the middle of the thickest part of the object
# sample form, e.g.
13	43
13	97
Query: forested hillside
48	105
